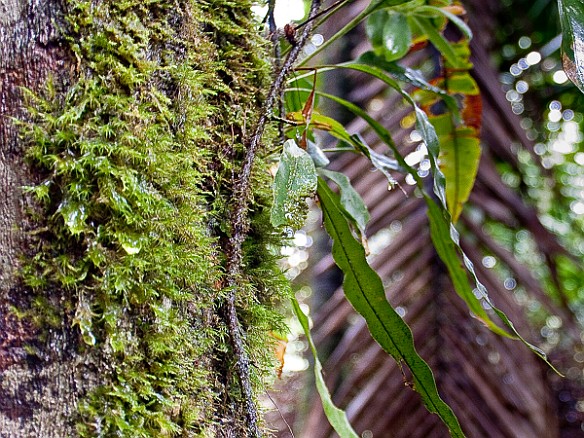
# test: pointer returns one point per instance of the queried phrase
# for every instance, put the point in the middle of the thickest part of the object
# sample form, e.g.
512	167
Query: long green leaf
364	290
572	21
337	417
448	249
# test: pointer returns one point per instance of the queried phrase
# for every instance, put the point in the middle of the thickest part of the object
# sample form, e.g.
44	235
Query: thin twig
239	227
275	38
280	412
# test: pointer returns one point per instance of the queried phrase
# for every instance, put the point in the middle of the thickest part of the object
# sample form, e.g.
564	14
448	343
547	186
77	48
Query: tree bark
181	85
39	391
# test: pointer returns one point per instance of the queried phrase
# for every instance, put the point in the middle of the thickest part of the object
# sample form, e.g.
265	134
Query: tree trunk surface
199	72
39	392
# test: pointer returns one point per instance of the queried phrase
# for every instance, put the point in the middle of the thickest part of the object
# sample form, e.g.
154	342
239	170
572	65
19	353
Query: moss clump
135	160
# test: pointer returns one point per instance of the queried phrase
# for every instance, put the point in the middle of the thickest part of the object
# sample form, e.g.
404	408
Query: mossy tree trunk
123	130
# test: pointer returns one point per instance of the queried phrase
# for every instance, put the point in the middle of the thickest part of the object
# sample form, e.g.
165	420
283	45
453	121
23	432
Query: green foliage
135	159
364	289
389	34
447	112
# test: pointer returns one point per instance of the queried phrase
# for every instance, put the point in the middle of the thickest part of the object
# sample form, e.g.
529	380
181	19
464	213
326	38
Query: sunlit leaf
460	82
280	344
459	160
337	417
364	290
295	181
572	21
324	123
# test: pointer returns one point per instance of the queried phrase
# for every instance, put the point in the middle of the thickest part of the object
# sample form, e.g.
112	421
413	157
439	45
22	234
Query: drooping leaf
572	21
364	290
447	244
337	417
445	234
459	82
351	201
295	181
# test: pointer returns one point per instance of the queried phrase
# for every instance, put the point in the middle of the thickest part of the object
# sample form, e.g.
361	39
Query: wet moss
135	160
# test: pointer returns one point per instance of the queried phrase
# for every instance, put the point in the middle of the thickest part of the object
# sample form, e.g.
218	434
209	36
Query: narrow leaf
364	290
295	181
425	27
337	417
572	21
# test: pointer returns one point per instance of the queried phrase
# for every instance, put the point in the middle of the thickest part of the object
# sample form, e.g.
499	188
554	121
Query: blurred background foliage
523	229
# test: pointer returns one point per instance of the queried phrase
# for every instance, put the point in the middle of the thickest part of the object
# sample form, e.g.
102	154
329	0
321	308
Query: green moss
136	161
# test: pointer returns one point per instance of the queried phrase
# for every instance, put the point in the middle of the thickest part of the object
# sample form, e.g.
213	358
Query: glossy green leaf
572	21
295	181
389	34
364	290
74	215
460	154
336	417
351	201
